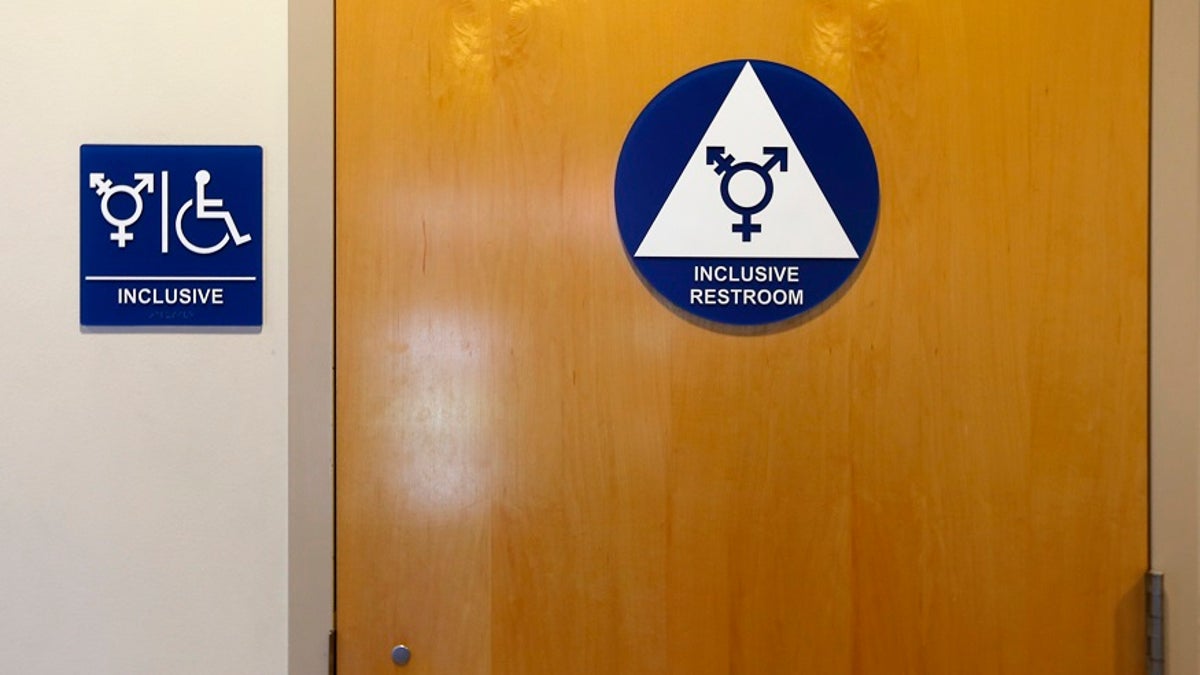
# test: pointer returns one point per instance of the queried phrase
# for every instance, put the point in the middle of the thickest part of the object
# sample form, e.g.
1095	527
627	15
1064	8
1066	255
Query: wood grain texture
542	470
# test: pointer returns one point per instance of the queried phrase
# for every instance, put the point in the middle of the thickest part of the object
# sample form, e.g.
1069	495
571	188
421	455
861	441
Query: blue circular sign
747	193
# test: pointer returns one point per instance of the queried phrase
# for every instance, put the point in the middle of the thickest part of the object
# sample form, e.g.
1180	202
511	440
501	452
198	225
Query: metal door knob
401	655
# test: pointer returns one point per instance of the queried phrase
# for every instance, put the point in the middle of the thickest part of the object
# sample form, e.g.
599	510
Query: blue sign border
236	187
828	135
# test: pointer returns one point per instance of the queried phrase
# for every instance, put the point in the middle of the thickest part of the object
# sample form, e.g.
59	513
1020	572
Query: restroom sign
747	193
171	235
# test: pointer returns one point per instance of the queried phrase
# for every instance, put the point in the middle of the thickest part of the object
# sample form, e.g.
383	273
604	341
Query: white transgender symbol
105	189
207	209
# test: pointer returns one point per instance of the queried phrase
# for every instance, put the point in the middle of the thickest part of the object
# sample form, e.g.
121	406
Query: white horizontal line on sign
99	278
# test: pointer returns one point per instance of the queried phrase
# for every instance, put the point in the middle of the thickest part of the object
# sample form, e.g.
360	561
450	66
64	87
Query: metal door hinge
333	652
1155	653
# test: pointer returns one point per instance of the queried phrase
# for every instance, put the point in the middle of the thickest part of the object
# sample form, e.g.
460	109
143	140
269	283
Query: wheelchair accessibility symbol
200	213
207	209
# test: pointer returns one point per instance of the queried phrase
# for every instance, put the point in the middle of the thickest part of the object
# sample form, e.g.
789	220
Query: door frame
310	593
1175	323
1174	328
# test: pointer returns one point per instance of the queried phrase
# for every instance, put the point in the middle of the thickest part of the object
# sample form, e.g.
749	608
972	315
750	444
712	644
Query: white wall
143	477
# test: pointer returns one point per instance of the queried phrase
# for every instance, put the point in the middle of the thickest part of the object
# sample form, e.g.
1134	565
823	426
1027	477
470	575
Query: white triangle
696	223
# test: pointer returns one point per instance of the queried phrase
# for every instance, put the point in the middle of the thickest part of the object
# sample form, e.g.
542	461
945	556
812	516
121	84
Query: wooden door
541	470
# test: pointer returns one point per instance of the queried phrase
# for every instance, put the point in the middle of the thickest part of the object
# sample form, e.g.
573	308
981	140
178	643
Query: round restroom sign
747	193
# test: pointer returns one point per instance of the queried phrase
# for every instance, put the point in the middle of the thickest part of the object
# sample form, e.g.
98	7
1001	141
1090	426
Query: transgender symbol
105	189
727	167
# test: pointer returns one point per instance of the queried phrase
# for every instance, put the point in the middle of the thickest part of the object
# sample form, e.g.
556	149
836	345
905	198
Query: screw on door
401	655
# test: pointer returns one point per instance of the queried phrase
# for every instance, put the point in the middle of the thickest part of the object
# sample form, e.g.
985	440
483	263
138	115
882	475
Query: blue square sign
170	235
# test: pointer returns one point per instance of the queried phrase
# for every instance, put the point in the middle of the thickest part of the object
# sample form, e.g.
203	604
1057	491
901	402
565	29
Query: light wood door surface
541	470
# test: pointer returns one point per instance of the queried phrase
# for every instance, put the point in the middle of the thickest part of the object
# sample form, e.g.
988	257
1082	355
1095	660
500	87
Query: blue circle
833	145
